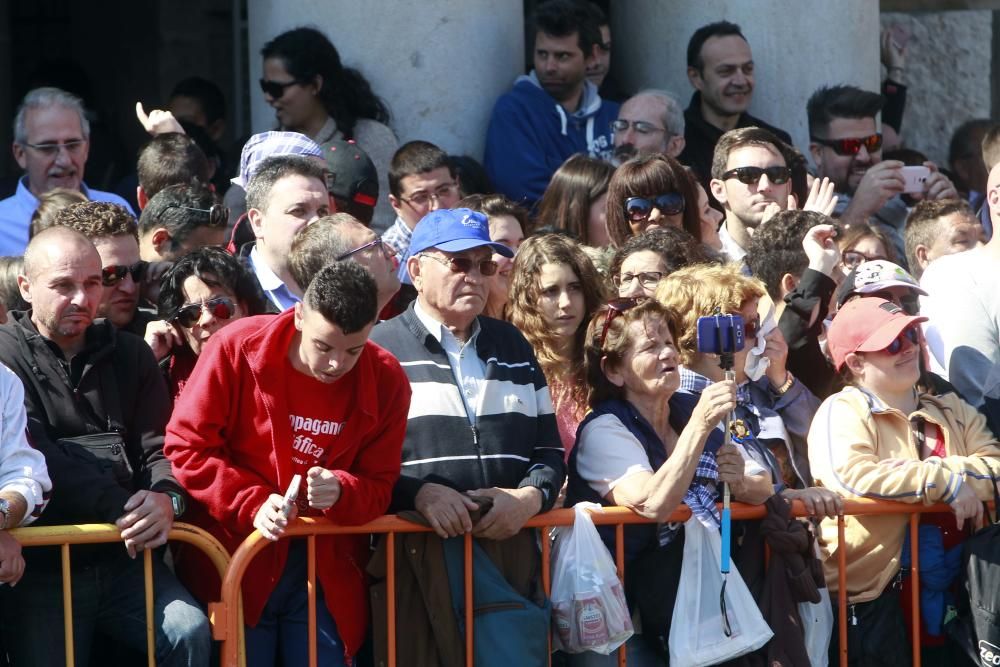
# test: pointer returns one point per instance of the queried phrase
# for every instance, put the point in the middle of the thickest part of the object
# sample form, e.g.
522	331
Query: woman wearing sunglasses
314	94
651	191
555	289
774	407
201	293
639	447
882	437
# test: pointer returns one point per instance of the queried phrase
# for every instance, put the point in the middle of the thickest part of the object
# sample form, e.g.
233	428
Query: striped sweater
514	441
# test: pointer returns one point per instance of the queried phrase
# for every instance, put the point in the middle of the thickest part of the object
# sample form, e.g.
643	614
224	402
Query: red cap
866	325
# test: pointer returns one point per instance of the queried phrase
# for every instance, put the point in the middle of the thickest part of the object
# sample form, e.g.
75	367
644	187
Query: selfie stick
726	363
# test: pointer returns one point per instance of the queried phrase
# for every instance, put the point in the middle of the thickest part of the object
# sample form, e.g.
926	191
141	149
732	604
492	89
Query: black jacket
700	138
113	385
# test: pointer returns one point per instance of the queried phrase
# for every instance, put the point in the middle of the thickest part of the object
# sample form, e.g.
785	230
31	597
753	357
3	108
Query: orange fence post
311	597
620	566
841	591
915	585
390	601
67	582
469	635
547	575
147	567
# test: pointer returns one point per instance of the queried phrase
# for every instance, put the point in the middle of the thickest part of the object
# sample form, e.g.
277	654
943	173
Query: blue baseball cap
451	230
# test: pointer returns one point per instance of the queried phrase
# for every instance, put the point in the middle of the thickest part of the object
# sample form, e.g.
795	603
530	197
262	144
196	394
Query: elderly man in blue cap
482	453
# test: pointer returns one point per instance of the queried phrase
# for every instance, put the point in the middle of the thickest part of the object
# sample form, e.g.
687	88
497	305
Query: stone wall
947	75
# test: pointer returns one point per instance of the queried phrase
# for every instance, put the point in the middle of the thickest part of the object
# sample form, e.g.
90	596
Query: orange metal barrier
390	525
64	536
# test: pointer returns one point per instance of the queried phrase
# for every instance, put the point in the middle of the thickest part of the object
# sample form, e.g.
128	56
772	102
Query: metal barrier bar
101	533
390	525
620	566
311	596
915	586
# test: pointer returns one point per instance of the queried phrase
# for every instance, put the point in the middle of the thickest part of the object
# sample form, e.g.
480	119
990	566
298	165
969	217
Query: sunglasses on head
896	346
777	175
852	146
114	274
487	267
615	308
275	89
221	308
639	208
218	215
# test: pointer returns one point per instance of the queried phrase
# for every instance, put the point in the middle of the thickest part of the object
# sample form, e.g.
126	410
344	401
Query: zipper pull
854	616
475	435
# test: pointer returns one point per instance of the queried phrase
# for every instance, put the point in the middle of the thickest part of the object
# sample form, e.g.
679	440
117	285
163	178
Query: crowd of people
340	326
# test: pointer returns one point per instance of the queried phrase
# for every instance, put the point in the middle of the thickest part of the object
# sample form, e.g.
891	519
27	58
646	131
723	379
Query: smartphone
720	334
915	179
291	495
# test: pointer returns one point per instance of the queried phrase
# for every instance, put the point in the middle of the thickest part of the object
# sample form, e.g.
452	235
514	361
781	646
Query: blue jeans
637	654
108	597
284	624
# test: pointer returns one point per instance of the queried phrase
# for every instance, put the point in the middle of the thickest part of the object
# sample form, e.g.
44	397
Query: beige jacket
852	433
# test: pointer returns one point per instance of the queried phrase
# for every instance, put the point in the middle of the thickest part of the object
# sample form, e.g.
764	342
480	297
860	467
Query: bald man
963	305
97	408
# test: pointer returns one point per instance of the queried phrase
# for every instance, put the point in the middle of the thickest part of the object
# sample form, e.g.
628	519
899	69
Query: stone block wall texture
439	65
947	75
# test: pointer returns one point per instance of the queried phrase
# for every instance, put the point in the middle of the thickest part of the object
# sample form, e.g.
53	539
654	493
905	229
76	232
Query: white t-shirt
607	453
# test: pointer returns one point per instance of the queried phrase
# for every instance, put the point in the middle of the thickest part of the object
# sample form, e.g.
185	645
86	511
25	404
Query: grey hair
673	117
43	98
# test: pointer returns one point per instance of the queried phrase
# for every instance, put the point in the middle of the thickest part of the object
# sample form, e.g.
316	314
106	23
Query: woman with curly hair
576	200
651	191
554	290
313	93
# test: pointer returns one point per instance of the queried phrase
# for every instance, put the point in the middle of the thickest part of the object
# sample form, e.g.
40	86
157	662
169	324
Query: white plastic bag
697	637
588	603
817	625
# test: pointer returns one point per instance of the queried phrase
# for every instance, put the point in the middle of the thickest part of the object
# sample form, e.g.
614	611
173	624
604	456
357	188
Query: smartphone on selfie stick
723	335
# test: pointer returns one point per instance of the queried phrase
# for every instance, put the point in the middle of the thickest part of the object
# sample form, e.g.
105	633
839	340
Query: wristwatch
177	502
5	511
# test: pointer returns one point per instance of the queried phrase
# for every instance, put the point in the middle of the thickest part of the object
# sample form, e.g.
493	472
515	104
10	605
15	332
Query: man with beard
113	232
749	175
720	67
553	112
51	144
651	121
847	148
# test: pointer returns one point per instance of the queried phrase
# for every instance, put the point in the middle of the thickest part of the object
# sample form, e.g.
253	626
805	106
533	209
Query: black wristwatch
177	502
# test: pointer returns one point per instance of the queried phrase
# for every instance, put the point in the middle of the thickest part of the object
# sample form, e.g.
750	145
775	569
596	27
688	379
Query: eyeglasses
639	208
388	251
276	89
615	308
218	215
751	175
852	258
852	146
114	274
640	126
52	150
648	279
220	307
487	267
896	346
422	199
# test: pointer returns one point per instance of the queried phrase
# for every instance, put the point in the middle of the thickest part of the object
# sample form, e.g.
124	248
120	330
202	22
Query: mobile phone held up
915	179
720	334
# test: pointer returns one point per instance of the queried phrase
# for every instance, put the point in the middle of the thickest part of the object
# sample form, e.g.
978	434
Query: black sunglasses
615	308
221	308
751	175
114	274
218	215
852	146
275	89
487	267
639	208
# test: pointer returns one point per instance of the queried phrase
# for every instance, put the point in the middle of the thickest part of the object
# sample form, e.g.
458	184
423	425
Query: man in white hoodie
553	112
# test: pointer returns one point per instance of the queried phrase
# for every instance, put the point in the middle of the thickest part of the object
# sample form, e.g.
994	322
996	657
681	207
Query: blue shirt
276	291
16	212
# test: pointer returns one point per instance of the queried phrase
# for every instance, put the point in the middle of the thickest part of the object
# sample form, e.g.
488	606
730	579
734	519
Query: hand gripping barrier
619	517
65	536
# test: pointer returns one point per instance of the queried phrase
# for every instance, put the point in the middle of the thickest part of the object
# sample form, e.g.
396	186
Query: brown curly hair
697	291
95	219
526	316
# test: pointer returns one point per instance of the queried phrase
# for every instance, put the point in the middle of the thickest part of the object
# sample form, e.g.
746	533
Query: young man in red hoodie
305	393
